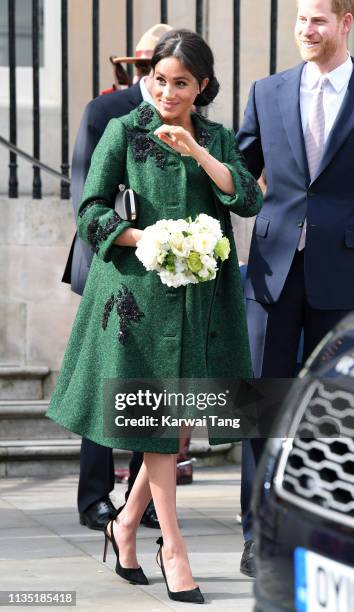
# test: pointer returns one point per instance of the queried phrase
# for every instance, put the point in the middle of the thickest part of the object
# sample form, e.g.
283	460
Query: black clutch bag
126	204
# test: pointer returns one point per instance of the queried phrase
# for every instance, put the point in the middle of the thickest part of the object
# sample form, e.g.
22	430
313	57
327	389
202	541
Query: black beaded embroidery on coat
127	310
107	311
105	230
143	147
98	233
89	205
146	115
92	234
248	184
204	138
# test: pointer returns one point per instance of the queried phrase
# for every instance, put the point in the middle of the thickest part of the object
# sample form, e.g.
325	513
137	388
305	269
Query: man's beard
321	54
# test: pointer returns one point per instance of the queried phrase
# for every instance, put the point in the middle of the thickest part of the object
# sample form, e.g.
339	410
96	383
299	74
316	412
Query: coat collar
147	118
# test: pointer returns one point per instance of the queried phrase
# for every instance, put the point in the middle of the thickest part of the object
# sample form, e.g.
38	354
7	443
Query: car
303	503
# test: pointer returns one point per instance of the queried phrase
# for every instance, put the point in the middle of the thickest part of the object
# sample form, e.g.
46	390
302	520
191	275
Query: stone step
25	420
55	458
45	458
22	382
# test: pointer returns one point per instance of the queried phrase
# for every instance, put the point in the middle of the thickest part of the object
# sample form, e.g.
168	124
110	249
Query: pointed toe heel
132	575
191	596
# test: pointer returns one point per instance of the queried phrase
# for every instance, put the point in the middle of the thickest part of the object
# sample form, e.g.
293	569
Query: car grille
316	467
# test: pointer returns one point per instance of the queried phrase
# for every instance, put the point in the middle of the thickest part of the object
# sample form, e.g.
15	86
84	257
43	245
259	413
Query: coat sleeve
248	137
247	199
97	222
86	141
92	125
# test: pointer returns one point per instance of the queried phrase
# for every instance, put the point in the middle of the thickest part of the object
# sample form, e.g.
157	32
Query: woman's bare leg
161	469
127	522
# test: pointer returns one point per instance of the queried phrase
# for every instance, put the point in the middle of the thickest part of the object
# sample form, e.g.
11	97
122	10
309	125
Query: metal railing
38	165
35	162
11	144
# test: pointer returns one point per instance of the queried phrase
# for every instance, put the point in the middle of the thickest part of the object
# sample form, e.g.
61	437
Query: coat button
311	193
213	334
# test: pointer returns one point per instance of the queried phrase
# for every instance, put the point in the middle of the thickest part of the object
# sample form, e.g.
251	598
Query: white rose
162	236
178	226
205	222
207	274
204	242
204	273
148	254
149	249
180	245
208	262
161	225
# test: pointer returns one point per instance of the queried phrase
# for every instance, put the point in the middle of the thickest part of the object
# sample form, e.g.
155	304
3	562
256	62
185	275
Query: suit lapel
343	125
289	102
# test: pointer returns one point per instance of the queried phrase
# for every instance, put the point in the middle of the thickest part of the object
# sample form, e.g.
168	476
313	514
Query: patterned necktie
314	140
315	131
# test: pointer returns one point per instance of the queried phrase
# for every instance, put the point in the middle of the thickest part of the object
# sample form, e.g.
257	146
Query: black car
304	497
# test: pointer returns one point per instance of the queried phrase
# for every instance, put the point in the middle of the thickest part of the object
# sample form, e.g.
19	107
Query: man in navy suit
299	127
96	462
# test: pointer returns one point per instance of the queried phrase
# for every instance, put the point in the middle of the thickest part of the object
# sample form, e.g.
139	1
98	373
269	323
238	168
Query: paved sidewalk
43	547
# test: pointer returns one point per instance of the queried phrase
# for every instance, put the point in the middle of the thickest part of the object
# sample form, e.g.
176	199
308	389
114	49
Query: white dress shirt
334	92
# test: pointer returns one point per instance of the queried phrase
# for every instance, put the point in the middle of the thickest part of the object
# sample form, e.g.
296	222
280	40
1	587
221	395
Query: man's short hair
342	7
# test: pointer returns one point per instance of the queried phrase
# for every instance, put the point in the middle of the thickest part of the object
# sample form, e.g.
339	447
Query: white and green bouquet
183	251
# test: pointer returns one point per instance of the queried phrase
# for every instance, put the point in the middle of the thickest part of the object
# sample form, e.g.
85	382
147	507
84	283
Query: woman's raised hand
178	138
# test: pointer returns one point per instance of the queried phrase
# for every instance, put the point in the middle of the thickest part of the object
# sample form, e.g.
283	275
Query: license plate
322	585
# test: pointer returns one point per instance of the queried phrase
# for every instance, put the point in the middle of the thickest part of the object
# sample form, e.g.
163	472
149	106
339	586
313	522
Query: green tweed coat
130	325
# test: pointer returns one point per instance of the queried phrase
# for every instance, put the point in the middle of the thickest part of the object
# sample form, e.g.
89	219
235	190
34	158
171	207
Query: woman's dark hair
195	55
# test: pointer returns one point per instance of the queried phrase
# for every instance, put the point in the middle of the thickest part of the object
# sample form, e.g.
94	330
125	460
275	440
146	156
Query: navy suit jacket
271	137
94	121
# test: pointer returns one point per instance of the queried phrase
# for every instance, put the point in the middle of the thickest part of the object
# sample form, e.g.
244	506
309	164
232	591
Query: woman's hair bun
209	93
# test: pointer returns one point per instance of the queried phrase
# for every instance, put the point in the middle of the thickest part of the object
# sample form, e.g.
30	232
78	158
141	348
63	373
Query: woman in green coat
130	325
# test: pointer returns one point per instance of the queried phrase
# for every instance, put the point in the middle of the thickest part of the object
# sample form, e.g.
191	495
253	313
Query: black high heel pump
191	596
133	575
